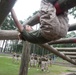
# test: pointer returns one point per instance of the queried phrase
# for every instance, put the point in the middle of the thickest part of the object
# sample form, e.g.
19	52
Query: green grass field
8	67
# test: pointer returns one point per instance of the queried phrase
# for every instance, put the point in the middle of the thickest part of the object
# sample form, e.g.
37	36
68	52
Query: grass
7	67
53	70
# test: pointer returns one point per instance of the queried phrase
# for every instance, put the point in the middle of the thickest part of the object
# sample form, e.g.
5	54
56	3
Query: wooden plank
5	7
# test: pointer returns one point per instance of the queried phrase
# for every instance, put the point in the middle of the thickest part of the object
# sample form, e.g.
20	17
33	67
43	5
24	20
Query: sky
25	8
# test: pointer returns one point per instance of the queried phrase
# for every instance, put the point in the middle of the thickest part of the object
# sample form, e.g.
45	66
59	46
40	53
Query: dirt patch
71	74
68	74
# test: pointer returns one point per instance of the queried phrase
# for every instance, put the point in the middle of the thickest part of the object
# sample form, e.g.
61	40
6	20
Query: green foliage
16	46
73	12
8	24
35	49
35	12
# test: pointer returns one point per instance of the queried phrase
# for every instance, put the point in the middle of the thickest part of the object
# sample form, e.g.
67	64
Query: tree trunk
5	46
2	46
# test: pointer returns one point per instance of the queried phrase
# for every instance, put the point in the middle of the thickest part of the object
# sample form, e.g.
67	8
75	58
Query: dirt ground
68	73
72	71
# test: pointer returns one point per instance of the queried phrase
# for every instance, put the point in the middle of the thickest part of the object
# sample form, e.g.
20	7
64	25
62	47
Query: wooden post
24	59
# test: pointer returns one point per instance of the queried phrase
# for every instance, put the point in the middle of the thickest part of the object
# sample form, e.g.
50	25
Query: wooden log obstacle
5	7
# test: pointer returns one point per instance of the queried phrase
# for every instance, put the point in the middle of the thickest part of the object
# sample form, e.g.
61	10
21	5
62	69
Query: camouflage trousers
34	37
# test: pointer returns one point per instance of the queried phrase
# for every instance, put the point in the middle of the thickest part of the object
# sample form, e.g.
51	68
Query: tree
9	24
73	12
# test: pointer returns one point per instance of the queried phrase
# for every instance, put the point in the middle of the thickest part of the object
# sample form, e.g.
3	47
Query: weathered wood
67	49
69	53
8	35
53	50
13	35
72	57
5	7
64	41
24	59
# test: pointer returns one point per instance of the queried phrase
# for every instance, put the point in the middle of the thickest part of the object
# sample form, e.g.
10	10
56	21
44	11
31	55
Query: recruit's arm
17	23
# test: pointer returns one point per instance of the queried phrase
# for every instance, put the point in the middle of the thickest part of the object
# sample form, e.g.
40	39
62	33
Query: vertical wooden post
25	59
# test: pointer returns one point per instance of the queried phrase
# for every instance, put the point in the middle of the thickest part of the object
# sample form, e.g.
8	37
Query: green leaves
8	24
73	12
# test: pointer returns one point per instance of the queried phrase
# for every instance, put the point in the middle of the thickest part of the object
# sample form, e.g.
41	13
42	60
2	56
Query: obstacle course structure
6	6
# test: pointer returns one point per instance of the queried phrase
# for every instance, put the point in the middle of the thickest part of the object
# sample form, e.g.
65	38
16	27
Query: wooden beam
67	49
64	41
25	59
34	20
8	35
53	50
5	7
69	53
72	57
13	35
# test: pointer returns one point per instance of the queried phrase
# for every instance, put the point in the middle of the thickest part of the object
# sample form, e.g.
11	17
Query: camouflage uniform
52	27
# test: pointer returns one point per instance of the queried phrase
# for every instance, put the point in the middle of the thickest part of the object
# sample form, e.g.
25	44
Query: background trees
73	12
10	45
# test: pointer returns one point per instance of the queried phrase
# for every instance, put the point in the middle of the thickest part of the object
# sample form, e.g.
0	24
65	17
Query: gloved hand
53	1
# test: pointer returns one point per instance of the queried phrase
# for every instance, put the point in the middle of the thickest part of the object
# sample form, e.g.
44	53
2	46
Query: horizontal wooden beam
72	57
67	49
8	35
5	7
13	35
69	53
64	41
